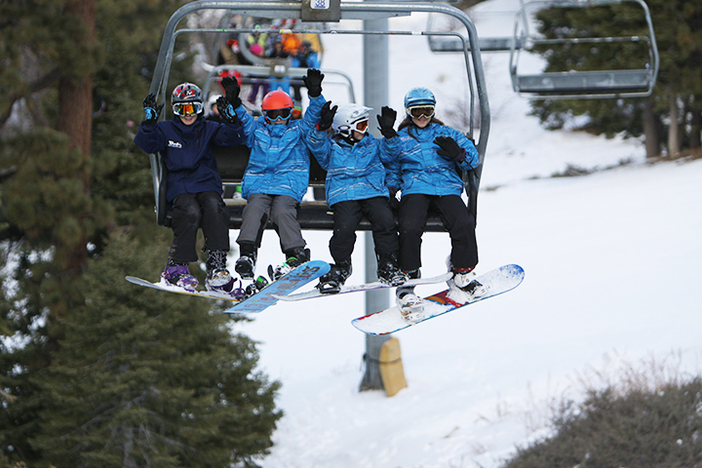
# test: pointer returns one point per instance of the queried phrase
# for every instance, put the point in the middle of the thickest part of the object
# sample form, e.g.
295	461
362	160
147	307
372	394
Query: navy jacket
187	155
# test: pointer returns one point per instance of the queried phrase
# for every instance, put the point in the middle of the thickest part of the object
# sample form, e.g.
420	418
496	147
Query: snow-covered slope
611	278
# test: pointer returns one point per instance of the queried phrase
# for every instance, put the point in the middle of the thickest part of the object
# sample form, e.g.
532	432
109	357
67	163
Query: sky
611	290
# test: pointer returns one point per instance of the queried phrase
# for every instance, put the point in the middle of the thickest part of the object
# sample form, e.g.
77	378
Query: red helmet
276	100
277	106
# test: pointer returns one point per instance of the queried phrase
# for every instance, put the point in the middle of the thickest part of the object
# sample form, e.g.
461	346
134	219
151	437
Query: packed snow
610	285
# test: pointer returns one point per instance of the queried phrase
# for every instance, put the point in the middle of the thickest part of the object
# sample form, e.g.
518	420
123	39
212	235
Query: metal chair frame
315	214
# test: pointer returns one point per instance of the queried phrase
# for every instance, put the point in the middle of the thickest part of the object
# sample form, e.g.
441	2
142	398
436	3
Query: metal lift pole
375	95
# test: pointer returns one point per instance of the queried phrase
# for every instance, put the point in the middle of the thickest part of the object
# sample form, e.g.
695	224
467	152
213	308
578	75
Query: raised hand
231	90
327	116
151	110
313	81
386	120
226	110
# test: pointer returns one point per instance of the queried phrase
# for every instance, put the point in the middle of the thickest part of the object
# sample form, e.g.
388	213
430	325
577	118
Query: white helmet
347	115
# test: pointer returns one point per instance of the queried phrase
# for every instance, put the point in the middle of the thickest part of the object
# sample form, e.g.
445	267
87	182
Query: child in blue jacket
277	175
355	187
427	171
193	186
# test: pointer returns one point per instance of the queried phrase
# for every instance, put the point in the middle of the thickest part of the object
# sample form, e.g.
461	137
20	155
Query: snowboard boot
332	282
388	271
463	287
218	277
246	263
178	274
294	258
411	306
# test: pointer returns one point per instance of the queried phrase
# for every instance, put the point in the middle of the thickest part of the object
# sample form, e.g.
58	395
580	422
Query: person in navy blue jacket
355	187
427	171
193	186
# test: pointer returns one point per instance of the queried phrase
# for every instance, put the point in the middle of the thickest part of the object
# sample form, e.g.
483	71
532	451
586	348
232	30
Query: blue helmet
419	97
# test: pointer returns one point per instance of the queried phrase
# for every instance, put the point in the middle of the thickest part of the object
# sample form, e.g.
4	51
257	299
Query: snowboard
497	281
362	287
266	297
297	278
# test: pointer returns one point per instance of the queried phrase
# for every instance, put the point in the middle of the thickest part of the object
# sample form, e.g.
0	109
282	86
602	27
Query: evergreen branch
34	86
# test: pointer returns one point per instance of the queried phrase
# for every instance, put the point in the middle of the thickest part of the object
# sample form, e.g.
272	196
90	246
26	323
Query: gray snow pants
282	211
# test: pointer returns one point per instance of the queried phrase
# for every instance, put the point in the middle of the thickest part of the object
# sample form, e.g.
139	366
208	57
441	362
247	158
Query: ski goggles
418	112
274	115
360	126
187	108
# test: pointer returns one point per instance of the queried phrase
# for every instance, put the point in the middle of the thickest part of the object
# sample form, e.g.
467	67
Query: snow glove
313	81
450	149
151	110
326	116
386	120
226	110
231	90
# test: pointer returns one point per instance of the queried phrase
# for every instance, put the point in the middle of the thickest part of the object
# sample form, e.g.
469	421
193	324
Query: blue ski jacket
190	164
354	172
279	163
418	168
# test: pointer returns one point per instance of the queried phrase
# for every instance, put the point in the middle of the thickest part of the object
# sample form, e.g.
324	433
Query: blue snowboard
297	278
300	276
390	320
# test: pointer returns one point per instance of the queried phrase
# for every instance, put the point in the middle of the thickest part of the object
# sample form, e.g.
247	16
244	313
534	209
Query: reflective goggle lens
362	125
421	111
187	108
278	114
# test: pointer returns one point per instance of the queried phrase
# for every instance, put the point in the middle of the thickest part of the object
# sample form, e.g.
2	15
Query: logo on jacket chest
174	144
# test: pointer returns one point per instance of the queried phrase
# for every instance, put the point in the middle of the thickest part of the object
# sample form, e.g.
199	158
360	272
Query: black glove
226	110
313	81
450	149
151	110
386	120
231	90
327	116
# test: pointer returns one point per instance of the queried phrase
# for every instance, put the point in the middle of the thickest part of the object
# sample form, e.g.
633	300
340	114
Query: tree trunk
695	128
652	140
75	97
674	128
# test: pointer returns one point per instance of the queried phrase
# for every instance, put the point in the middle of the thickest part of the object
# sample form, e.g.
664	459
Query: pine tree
145	378
675	102
66	182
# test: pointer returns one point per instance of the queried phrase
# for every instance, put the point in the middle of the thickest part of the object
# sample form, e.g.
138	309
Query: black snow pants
348	215
458	221
192	211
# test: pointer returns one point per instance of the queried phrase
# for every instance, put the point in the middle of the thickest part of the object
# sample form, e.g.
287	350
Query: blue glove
226	110
151	110
450	149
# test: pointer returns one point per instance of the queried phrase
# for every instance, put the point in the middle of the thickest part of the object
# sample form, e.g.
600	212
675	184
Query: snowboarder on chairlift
277	175
427	171
193	186
355	187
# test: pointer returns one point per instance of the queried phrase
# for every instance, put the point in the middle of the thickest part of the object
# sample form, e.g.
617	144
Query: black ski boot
246	263
294	258
332	282
389	272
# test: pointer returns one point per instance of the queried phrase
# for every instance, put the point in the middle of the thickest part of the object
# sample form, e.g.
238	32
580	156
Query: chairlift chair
582	84
315	214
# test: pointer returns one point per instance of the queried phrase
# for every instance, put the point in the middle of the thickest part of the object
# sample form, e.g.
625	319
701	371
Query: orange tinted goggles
187	108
